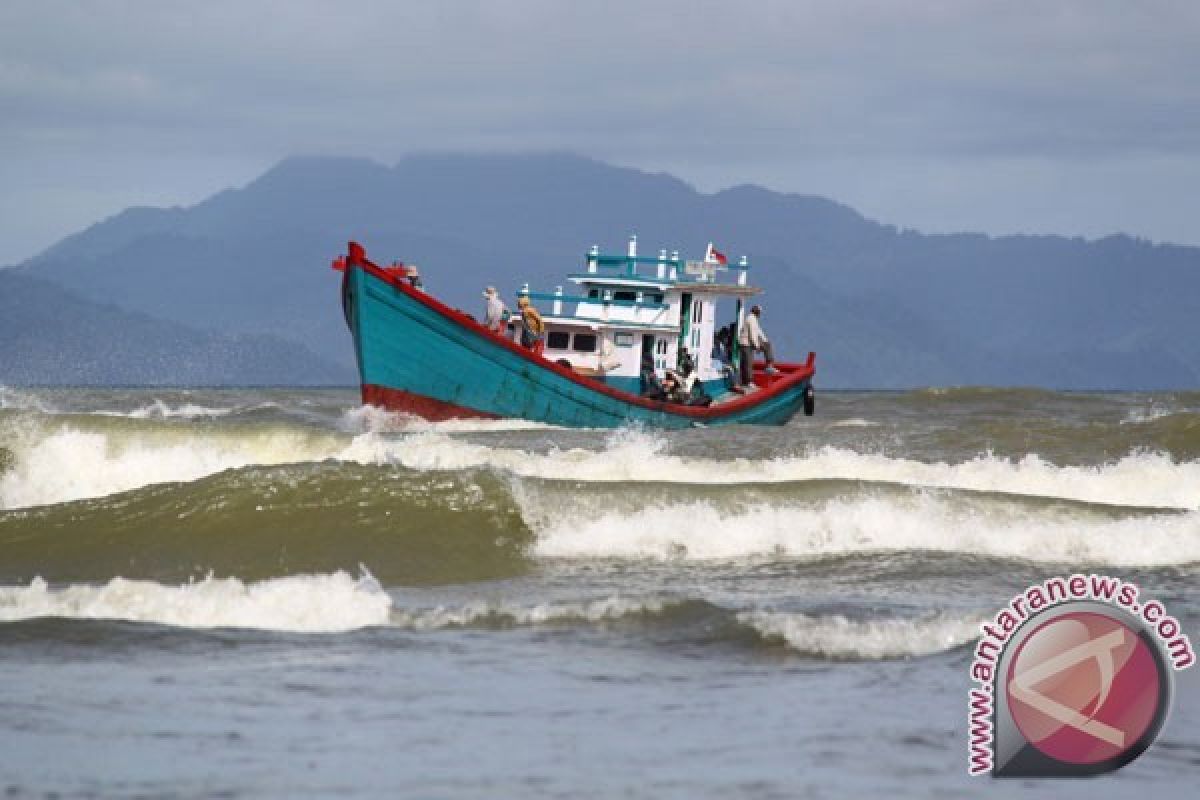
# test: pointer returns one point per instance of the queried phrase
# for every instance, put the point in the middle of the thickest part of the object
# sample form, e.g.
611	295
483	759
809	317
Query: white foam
372	419
837	637
15	400
58	462
160	410
64	463
867	523
1151	413
854	422
301	603
1138	479
594	610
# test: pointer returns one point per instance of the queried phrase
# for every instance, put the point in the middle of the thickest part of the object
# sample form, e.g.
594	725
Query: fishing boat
628	315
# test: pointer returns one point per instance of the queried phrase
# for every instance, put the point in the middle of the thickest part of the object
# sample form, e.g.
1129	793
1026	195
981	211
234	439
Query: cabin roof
636	281
595	323
619	280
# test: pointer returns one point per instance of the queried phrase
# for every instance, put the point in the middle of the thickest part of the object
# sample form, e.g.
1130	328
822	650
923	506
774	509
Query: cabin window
656	298
627	296
624	339
585	342
594	293
557	340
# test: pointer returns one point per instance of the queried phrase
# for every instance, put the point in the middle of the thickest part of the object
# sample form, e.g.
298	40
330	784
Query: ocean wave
340	603
1140	416
854	422
1138	479
330	603
65	461
839	638
415	528
55	460
510	614
16	400
867	522
372	419
161	410
1016	396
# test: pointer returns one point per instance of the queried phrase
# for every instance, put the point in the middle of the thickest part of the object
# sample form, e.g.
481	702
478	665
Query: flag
715	255
339	264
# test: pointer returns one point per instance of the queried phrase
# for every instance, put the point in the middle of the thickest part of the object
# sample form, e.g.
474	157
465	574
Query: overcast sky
1080	118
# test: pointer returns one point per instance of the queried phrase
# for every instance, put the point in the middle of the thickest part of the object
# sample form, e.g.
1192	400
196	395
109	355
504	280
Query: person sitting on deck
414	276
496	315
752	338
533	329
671	390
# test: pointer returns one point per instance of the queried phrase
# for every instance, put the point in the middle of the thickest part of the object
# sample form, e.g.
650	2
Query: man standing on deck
752	338
533	330
496	315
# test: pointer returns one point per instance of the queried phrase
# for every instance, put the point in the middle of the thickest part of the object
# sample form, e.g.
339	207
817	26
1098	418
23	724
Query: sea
282	593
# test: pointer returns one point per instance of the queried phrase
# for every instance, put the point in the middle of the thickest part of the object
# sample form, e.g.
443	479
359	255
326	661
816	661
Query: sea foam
61	461
508	613
864	523
300	603
837	637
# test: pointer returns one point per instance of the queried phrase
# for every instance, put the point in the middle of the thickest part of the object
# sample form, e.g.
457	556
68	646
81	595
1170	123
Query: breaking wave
508	614
55	462
301	603
837	637
161	410
338	603
147	496
875	522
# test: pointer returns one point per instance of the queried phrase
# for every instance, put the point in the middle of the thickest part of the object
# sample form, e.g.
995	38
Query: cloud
698	85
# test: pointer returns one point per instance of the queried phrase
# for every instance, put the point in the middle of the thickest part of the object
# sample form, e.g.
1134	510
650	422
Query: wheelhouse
624	306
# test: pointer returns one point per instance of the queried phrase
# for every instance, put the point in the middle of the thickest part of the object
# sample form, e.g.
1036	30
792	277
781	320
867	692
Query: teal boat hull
417	355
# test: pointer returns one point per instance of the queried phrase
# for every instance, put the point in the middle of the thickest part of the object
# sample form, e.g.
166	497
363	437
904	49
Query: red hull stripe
419	404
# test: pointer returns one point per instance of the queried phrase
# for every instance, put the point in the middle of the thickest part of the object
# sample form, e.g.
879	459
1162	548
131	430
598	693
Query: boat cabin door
685	322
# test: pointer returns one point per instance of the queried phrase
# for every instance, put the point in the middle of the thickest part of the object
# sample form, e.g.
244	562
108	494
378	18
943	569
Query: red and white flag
715	256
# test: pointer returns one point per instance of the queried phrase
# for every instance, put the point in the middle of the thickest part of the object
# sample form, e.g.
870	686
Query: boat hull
417	355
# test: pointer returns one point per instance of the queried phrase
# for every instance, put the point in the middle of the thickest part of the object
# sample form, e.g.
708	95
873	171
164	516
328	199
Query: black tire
810	401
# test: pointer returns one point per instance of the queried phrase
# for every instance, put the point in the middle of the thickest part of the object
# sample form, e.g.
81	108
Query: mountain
49	335
881	306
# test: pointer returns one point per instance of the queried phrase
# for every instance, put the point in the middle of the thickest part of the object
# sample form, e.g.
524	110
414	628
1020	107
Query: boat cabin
626	305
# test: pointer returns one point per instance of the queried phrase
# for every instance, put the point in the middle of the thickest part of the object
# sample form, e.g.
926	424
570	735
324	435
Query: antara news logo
1074	677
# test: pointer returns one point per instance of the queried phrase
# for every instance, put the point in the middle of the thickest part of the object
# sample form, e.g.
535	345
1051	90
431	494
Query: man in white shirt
494	317
751	338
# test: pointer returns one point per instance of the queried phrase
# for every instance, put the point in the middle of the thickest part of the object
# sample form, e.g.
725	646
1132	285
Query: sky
1079	117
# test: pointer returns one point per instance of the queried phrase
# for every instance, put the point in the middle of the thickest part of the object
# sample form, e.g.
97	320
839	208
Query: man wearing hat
751	338
496	315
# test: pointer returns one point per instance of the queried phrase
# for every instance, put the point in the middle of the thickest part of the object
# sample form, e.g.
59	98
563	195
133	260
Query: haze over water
281	593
